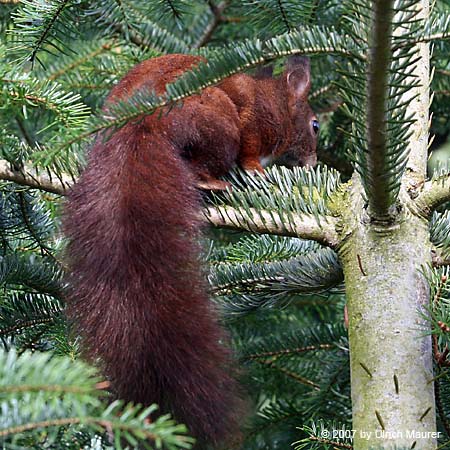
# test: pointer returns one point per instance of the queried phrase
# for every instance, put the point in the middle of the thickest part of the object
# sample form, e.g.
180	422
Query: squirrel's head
305	126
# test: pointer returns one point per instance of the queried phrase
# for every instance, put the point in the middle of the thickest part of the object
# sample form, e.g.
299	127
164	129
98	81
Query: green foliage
280	191
325	435
440	297
282	297
300	372
47	400
438	313
67	110
266	248
244	287
440	232
271	17
53	24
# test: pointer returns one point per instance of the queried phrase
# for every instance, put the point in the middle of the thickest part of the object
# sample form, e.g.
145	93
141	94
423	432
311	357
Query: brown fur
137	294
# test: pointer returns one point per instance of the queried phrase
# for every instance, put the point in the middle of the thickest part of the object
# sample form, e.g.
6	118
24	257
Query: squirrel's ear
264	72
298	76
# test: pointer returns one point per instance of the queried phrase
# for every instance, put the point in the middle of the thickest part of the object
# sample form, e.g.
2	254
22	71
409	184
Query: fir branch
47	29
312	40
290	344
82	59
125	426
245	287
319	437
29	315
284	15
151	35
67	107
31	177
31	272
440	233
40	25
68	400
437	28
260	221
257	221
107	425
137	28
23	130
217	19
274	413
33	226
440	408
18	375
272	17
173	9
20	326
114	14
304	226
45	387
265	248
289	351
281	199
434	193
290	374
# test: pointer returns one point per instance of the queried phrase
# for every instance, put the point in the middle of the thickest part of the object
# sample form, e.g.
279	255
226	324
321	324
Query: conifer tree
368	228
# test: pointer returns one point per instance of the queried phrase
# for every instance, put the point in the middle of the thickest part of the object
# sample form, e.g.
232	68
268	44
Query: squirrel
137	294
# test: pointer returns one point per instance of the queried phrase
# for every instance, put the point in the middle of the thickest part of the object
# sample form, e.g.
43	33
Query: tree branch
302	226
434	194
439	259
217	11
32	178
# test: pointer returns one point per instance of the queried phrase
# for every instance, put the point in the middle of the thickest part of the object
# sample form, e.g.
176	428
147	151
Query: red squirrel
137	294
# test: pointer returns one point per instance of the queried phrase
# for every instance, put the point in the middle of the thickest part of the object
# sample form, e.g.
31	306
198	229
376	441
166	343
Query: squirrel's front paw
252	166
213	184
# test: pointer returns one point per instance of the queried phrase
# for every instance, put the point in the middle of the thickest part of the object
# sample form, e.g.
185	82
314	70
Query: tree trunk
391	367
390	345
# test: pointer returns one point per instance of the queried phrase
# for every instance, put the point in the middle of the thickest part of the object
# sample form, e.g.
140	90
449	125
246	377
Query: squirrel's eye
315	126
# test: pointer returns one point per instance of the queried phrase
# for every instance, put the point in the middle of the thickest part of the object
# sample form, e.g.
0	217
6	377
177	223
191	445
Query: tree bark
390	354
390	350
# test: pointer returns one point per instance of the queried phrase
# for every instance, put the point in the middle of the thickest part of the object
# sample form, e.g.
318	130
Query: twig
434	194
32	178
217	11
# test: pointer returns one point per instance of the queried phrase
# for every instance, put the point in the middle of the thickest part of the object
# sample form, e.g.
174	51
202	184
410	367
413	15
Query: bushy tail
137	293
